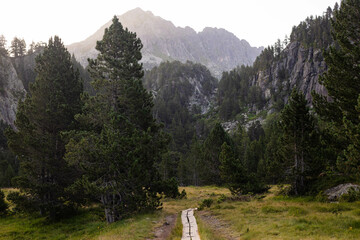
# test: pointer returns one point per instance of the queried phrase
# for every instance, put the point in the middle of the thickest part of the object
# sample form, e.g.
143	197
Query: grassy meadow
271	217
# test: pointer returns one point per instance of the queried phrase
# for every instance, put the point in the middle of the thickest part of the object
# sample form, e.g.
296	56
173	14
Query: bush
22	203
170	188
206	203
320	197
221	199
352	196
3	205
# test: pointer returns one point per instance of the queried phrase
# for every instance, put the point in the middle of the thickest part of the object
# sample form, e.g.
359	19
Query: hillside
217	49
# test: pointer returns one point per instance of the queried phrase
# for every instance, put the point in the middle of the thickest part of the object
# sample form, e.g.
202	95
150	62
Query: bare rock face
336	192
297	67
217	49
11	91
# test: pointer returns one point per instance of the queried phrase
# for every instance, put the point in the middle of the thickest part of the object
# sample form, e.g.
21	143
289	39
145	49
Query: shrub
22	203
352	196
206	203
221	199
3	205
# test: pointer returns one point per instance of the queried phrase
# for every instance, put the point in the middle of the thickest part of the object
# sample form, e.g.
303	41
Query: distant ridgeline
217	49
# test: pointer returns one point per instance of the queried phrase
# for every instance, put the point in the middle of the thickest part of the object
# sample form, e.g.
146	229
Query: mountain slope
217	49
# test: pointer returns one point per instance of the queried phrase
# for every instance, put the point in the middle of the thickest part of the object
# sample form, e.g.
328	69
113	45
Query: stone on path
190	228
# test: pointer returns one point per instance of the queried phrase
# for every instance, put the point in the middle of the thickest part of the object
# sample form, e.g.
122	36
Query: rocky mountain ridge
217	49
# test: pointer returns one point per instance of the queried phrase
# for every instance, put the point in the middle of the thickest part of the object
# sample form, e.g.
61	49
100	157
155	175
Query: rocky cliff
217	49
11	90
298	67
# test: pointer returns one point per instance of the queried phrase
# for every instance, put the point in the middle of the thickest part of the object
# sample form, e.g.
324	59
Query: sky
260	22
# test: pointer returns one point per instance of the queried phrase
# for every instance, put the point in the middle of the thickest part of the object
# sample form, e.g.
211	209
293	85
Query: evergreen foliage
3	205
298	128
171	84
342	83
210	172
48	110
119	141
235	93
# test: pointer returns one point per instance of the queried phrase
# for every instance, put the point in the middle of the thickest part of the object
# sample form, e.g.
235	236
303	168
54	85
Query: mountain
217	49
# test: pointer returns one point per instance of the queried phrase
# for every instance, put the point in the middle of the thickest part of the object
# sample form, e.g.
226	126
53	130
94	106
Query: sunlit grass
291	218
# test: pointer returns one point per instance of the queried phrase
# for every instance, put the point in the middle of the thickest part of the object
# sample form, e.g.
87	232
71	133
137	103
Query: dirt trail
163	232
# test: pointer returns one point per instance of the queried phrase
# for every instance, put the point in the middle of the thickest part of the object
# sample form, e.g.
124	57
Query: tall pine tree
120	142
48	110
298	127
342	79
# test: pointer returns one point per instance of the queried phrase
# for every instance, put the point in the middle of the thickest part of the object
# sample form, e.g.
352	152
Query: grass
291	218
89	224
176	232
272	217
207	233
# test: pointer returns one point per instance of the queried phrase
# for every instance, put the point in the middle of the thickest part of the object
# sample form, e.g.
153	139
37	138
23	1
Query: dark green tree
235	175
48	110
119	141
298	126
341	79
210	172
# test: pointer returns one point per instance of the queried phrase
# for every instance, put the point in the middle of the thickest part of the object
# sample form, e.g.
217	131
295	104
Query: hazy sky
260	22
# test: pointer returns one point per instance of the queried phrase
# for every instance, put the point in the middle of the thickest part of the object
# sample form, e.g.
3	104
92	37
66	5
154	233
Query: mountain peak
138	12
218	49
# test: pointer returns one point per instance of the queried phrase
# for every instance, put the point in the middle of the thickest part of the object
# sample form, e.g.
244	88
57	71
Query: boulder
335	193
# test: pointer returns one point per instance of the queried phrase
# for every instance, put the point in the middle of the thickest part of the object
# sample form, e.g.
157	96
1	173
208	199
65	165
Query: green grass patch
88	224
176	232
272	209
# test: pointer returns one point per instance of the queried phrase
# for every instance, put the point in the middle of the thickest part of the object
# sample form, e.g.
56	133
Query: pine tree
298	126
341	79
48	110
3	50
234	174
120	142
210	173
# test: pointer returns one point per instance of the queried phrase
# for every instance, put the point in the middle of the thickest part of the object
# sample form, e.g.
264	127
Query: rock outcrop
336	192
217	49
11	90
297	66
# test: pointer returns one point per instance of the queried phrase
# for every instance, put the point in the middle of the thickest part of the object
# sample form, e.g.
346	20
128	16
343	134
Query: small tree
298	126
235	176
